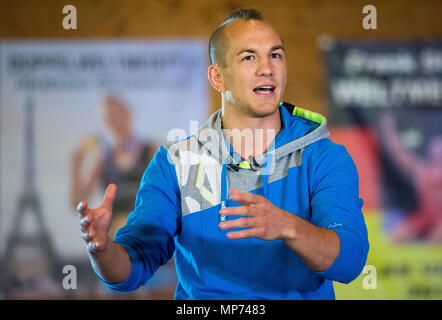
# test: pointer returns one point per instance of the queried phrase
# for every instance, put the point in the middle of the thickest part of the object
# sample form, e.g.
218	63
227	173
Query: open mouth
267	89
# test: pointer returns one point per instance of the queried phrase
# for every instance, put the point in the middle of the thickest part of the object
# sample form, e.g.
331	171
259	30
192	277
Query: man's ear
215	78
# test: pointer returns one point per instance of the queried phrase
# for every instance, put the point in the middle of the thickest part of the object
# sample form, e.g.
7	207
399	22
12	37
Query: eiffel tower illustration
17	276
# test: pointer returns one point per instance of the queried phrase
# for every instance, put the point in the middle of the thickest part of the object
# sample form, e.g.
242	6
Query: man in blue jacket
259	204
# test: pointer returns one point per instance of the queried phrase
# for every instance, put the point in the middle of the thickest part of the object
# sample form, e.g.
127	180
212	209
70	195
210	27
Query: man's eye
247	58
276	55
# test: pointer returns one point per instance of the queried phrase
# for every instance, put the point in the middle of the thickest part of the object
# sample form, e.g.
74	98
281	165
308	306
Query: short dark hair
217	39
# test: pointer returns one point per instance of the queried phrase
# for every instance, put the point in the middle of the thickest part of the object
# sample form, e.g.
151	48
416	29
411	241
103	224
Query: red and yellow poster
385	106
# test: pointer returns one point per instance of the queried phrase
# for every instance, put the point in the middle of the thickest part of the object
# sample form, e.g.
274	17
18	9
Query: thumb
109	195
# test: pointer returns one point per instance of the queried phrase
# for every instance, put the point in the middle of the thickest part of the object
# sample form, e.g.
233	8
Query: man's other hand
95	223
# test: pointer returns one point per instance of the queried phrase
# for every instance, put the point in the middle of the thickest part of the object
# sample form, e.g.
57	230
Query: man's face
255	74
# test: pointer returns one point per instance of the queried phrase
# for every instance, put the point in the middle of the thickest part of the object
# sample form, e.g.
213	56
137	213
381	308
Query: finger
88	236
95	246
109	195
237	223
82	208
85	222
247	233
236	211
245	198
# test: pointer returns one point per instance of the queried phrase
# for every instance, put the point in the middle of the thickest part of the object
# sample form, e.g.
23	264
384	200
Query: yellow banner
395	271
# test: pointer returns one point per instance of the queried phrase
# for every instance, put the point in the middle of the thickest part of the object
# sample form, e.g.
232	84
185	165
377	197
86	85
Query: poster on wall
74	117
385	106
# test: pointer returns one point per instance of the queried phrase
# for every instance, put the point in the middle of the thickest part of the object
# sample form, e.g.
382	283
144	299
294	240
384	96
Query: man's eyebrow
246	50
274	48
278	47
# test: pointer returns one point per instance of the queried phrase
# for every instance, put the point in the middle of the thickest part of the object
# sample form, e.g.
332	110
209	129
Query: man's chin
262	110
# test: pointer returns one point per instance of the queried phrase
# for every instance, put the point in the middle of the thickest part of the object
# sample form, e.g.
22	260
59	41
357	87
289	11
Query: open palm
95	223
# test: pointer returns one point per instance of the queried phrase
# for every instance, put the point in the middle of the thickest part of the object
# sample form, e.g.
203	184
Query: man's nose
264	68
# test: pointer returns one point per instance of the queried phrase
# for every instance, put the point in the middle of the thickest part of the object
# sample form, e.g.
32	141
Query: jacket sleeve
148	235
336	205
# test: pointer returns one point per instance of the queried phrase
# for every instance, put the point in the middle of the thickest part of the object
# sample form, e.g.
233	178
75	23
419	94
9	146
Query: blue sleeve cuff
134	279
348	264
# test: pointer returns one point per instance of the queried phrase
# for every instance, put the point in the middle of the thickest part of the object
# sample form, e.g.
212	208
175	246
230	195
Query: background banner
75	116
385	106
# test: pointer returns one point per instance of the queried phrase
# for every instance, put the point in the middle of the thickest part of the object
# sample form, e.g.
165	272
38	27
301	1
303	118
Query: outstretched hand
264	220
95	223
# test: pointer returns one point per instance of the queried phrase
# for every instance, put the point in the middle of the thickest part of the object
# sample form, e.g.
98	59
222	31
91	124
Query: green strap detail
307	114
244	164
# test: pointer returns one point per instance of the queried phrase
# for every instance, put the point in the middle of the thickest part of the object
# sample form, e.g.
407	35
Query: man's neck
249	135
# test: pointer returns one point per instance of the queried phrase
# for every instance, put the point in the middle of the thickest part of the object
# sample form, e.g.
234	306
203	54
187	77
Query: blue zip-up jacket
185	185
